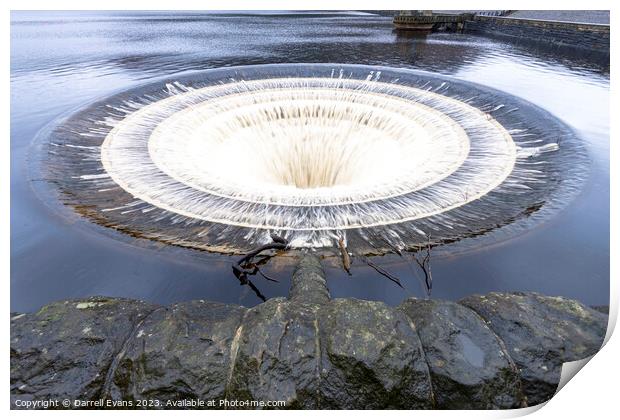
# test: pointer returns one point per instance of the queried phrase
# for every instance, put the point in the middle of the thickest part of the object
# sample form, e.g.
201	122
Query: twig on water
425	265
246	266
265	275
382	271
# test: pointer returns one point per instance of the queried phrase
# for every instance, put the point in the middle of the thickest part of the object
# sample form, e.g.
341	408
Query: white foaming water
313	155
258	154
307	145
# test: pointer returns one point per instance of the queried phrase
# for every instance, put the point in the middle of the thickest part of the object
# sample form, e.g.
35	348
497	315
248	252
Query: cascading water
382	158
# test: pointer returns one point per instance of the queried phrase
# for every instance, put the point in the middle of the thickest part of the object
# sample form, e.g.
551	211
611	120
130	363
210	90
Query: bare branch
382	271
266	276
425	265
246	266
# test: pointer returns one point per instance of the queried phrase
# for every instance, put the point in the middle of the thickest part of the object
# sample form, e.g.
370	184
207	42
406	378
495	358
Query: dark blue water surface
61	60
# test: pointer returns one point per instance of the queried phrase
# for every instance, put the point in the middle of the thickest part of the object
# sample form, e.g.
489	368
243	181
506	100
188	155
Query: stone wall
576	36
502	350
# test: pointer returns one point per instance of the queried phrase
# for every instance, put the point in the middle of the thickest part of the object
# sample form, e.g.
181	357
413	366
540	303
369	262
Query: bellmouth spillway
383	158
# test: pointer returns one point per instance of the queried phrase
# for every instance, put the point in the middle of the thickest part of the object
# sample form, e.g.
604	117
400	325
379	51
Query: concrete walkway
576	16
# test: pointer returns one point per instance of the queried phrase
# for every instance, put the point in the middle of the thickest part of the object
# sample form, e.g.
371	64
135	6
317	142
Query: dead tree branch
425	265
382	271
246	266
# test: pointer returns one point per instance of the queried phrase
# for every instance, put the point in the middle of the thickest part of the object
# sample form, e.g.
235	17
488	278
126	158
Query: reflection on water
62	60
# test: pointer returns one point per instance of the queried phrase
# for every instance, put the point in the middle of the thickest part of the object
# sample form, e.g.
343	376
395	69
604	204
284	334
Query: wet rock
371	357
316	353
602	308
540	334
276	350
275	355
66	349
308	283
308	350
178	352
469	366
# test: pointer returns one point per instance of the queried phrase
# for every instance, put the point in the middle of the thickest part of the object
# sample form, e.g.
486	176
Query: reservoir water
63	60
